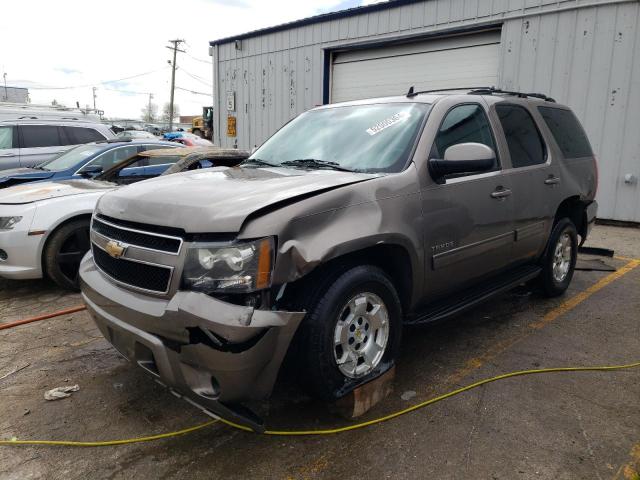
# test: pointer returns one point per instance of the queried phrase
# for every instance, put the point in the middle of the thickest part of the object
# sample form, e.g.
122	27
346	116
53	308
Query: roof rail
492	90
412	93
481	91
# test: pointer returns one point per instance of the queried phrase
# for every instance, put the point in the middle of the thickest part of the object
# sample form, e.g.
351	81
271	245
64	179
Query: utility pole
149	119
6	95
176	43
94	99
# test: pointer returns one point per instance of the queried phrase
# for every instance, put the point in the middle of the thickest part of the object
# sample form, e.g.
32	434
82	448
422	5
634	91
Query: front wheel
560	259
352	334
64	251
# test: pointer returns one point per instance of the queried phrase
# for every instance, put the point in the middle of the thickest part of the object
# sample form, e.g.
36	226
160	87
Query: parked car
30	142
44	228
192	142
351	220
138	134
83	161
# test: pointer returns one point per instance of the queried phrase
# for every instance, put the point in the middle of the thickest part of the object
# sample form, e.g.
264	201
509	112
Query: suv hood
218	199
29	193
14	176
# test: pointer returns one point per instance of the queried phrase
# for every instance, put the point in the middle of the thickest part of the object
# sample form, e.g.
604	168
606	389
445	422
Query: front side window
525	143
463	124
6	138
71	158
114	156
40	136
363	138
567	132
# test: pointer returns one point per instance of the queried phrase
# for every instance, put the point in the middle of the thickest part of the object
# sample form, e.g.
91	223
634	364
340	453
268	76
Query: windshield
363	138
71	158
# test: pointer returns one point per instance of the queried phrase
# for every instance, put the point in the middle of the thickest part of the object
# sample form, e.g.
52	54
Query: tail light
597	174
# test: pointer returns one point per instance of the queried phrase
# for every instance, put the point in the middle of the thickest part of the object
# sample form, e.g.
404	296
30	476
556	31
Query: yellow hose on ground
606	368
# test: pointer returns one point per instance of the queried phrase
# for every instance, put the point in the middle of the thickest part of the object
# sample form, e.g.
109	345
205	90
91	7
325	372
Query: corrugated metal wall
584	53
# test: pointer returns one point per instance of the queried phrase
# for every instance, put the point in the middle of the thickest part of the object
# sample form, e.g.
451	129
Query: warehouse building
584	53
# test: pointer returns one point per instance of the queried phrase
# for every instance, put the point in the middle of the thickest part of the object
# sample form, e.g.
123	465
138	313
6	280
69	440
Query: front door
468	219
9	151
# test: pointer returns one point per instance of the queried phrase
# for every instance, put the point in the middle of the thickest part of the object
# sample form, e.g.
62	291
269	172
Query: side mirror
90	171
462	158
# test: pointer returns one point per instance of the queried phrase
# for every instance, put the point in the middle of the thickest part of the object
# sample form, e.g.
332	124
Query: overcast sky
69	43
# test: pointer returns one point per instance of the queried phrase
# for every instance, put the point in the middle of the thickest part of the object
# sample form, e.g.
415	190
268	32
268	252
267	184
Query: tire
559	261
64	251
357	290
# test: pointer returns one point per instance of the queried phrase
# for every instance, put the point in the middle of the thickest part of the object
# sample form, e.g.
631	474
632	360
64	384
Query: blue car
83	161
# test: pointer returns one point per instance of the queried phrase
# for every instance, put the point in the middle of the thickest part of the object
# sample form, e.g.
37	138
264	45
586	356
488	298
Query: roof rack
412	93
482	91
492	90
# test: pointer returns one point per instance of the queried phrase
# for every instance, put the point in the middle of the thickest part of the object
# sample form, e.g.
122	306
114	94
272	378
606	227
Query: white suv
26	142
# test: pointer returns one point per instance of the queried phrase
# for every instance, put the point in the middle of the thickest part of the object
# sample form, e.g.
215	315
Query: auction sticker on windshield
388	122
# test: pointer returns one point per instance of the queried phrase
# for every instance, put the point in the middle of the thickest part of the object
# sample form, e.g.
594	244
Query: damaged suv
352	220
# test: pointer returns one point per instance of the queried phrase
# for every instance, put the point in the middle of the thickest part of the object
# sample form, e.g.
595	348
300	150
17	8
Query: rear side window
525	143
40	136
7	138
567	132
78	135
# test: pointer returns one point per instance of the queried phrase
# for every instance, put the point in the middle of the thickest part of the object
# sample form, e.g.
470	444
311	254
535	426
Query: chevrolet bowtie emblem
115	249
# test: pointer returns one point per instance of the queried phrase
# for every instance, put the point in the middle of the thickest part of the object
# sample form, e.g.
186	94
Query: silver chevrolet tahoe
350	221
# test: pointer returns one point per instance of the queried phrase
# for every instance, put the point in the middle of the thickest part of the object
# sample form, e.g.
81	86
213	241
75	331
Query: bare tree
167	108
150	112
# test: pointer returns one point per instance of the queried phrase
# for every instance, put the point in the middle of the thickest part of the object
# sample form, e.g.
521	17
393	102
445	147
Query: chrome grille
144	276
141	260
149	240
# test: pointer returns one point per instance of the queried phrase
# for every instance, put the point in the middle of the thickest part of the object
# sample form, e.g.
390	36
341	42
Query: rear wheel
352	332
560	259
64	251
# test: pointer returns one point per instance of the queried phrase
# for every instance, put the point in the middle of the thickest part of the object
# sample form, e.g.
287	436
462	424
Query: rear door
468	219
9	151
533	177
39	143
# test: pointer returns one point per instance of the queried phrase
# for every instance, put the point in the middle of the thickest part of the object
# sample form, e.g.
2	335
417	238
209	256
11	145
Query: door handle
501	193
7	154
552	180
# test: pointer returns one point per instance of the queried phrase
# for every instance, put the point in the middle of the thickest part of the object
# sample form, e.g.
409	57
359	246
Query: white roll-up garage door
460	61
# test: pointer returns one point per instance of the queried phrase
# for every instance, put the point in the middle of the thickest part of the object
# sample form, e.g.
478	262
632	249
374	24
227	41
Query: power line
198	59
195	58
132	92
192	91
197	78
98	83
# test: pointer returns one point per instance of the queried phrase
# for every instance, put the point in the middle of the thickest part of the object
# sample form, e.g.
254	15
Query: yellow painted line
582	296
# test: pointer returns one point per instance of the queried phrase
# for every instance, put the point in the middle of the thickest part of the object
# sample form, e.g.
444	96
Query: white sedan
44	227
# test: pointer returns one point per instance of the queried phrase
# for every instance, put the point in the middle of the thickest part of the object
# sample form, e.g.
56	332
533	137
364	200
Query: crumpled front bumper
211	352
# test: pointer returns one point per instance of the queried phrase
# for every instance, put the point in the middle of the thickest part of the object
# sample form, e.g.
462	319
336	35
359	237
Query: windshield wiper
312	162
259	162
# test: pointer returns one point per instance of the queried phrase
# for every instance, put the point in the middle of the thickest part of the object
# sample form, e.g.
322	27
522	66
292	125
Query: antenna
410	92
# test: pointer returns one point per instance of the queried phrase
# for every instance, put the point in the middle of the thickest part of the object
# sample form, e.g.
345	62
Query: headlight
241	267
7	223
